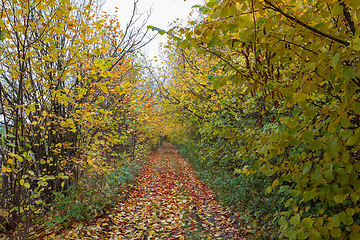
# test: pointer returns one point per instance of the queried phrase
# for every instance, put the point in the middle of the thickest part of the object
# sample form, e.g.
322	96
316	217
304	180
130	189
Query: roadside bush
92	197
245	194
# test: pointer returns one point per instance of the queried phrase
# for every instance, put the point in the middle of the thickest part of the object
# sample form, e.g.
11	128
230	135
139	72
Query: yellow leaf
42	7
104	89
70	121
20	158
101	99
32	108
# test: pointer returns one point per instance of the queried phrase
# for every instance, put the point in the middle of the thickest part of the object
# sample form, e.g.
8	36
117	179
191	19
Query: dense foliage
265	91
71	101
271	87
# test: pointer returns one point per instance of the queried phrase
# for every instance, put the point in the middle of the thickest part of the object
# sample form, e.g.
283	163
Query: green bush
246	194
91	197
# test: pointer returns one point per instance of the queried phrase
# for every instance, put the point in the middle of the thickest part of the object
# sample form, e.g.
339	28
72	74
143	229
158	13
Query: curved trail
167	202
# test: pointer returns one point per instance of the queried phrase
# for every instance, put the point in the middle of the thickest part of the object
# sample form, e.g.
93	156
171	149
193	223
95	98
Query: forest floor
168	201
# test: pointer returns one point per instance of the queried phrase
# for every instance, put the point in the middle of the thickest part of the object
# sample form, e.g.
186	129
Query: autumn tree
63	79
296	63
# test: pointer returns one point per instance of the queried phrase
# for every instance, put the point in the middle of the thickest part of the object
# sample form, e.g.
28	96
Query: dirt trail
167	202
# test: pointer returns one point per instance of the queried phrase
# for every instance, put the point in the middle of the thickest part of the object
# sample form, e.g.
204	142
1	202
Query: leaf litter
168	201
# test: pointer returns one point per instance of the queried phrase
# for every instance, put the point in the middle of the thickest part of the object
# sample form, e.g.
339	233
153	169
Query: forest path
168	201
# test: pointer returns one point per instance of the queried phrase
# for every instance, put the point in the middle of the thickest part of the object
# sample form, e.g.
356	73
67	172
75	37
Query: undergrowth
90	198
245	194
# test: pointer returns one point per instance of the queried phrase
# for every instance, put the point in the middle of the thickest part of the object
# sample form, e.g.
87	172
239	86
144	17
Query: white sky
163	13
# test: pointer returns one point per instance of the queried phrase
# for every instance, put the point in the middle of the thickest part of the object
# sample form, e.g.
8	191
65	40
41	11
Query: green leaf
319	25
329	174
308	195
282	128
295	193
313	234
354	197
345	121
108	64
340	198
27	185
335	220
3	34
216	85
202	9
20	158
335	60
336	10
291	233
309	113
10	144
307	136
270	86
295	219
353	140
307	222
159	30
349	72
335	232
301	234
269	172
307	167
216	14
315	145
274	137
356	107
343	178
316	176
346	134
347	220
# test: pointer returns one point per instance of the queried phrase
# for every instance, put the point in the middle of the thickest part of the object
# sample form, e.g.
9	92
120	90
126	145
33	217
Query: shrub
91	197
243	193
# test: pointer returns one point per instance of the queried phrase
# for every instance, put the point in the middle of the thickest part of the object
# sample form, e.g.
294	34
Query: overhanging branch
277	9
